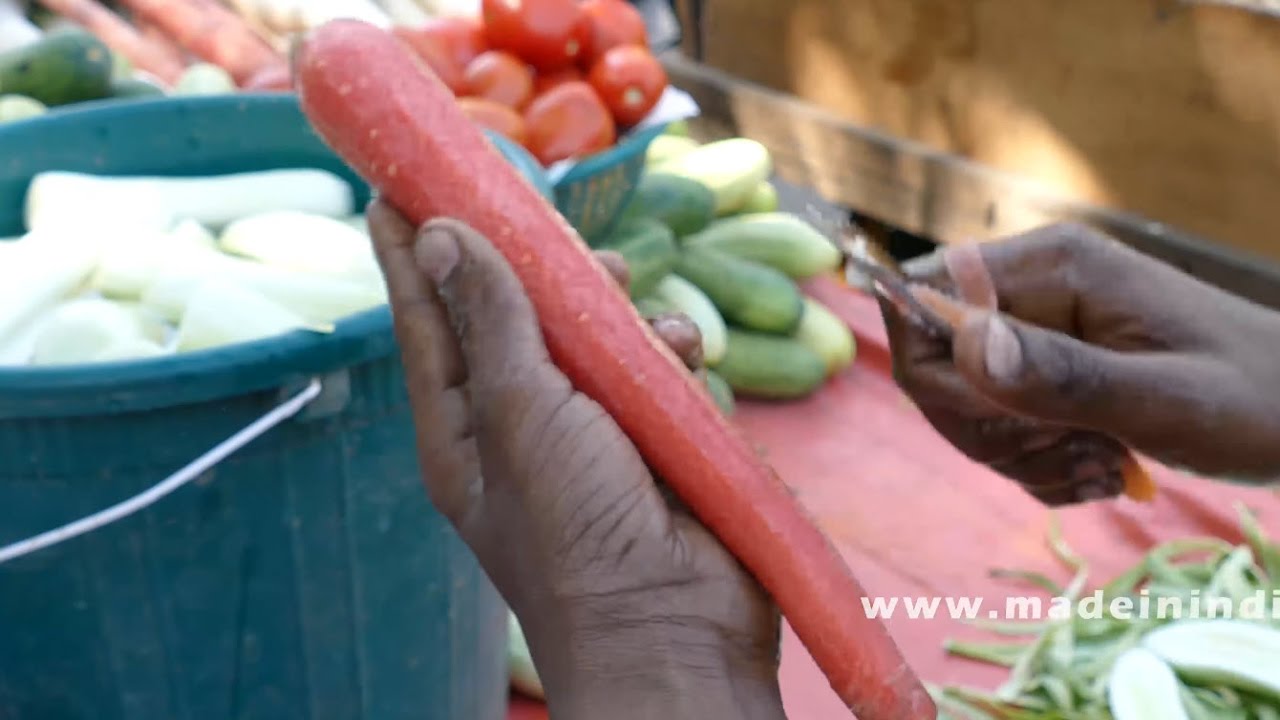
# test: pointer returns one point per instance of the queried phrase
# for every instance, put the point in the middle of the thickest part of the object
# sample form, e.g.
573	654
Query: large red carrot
211	32
400	128
161	59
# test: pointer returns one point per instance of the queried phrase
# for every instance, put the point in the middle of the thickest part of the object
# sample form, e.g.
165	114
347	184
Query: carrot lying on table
1138	483
399	126
211	32
158	58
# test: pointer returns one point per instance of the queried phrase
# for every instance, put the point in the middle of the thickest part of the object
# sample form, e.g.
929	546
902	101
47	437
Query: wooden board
1161	108
924	191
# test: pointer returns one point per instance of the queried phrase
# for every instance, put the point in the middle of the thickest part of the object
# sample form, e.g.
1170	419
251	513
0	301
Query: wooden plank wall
1161	109
923	191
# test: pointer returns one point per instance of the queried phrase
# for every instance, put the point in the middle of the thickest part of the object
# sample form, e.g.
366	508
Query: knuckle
1073	377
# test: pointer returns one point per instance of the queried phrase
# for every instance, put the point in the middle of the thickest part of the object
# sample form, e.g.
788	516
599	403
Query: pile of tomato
563	78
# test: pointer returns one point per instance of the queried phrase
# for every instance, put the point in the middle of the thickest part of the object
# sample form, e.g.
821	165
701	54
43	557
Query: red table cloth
915	518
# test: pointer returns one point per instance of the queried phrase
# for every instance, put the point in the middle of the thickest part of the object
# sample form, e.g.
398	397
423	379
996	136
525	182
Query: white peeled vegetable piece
190	233
135	349
1235	653
319	300
74	202
1142	687
204	79
80	330
130	260
304	242
524	676
154	328
16	349
15	29
359	222
37	273
213	201
222	313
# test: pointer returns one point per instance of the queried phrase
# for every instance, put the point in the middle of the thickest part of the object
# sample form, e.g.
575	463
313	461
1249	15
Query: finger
432	365
1082	467
491	316
682	336
968	271
923	368
1056	378
616	264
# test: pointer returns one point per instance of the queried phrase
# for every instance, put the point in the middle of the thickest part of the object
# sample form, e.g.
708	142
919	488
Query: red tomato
630	81
546	81
496	117
568	121
499	76
608	24
437	58
462	39
545	33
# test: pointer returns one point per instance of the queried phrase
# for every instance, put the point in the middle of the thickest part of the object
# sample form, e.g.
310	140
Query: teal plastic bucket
306	576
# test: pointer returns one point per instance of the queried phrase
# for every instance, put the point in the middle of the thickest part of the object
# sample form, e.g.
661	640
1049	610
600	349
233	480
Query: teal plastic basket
305	577
594	192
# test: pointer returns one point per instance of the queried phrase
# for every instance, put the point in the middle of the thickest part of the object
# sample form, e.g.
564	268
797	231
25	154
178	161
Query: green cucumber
668	147
763	200
686	206
135	88
720	392
683	296
770	367
780	240
651	306
749	294
204	79
826	335
523	673
65	67
733	169
679	128
650	250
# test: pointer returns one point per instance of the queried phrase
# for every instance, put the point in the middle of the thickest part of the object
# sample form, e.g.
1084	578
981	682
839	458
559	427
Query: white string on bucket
192	471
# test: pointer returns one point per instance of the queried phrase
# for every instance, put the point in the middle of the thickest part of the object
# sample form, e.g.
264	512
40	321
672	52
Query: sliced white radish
80	330
318	299
68	202
136	349
56	199
304	242
36	274
222	313
130	260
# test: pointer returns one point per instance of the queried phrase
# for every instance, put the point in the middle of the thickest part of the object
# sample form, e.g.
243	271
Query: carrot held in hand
398	126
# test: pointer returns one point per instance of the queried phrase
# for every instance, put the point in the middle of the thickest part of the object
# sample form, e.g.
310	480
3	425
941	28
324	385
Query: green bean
1061	670
1035	579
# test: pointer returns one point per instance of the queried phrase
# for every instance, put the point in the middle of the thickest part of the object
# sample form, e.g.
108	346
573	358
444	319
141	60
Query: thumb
1051	376
494	322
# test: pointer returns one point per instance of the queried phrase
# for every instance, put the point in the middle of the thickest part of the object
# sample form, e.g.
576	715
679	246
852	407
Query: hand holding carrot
631	607
1095	347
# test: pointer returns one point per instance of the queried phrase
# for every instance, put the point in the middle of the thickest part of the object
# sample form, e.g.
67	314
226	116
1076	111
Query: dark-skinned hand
1075	346
632	609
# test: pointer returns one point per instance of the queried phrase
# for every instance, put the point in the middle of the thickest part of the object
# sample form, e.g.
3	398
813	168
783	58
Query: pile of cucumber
703	236
69	66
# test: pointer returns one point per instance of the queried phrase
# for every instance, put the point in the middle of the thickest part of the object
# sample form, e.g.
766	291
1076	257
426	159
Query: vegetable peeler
868	267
